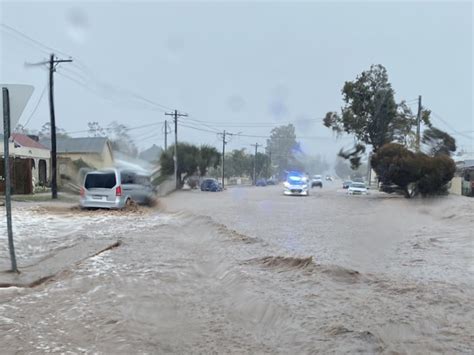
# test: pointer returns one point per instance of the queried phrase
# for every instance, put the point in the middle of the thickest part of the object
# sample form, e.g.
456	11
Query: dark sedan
271	182
261	182
211	185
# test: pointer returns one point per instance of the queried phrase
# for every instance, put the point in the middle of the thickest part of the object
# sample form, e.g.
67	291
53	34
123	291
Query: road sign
19	97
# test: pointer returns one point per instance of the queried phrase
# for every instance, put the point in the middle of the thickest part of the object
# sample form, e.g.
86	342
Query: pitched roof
468	163
151	154
78	145
25	141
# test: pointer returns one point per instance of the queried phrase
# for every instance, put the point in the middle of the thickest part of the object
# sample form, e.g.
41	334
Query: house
463	180
124	161
30	163
79	155
152	154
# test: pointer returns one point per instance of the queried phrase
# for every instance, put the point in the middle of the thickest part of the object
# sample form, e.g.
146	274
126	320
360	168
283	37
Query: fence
21	176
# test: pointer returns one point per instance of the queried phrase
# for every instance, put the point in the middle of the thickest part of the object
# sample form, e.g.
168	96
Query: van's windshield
100	180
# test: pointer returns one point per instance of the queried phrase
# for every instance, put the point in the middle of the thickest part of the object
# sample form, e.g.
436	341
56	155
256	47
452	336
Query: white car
317	181
357	188
296	185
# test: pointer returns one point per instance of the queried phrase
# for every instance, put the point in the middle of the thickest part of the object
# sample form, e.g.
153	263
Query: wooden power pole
418	124
175	115
223	158
166	134
6	160
256	145
54	169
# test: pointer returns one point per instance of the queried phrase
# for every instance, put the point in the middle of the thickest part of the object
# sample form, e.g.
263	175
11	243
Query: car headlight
305	186
286	184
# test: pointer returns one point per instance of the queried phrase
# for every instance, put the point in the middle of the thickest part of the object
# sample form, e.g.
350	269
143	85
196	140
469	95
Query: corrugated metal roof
78	145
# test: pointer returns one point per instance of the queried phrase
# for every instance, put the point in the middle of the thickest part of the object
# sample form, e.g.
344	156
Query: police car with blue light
296	184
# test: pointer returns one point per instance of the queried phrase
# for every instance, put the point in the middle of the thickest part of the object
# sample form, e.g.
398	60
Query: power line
198	129
227	124
128	128
260	136
106	97
140	136
82	67
47	49
148	136
88	75
162	107
154	137
36	107
297	137
202	124
83	72
97	92
449	126
256	123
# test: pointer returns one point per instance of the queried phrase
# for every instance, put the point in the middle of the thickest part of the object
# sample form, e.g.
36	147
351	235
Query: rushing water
249	270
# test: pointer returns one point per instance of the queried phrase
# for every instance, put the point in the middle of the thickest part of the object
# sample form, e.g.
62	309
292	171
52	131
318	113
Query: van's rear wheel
128	203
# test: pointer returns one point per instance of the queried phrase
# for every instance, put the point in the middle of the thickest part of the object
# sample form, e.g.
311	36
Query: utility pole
166	134
418	124
271	166
369	168
256	145
6	160
224	142
175	114
223	158
52	68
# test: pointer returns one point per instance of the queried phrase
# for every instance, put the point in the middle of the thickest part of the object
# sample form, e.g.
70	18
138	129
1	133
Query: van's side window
142	180
128	178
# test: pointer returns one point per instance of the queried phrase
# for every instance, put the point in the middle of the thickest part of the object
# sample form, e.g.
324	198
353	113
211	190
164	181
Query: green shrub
395	164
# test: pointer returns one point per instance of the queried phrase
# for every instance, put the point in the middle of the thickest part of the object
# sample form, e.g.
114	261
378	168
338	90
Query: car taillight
82	192
118	191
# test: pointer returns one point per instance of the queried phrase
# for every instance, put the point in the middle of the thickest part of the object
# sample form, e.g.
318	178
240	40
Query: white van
115	189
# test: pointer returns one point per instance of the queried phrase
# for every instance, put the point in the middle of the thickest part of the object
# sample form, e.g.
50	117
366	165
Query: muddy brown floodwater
251	271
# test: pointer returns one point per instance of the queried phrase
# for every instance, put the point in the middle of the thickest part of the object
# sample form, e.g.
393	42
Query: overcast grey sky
237	64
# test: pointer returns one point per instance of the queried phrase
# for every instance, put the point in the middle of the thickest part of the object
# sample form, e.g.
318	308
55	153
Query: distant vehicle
361	180
261	182
346	184
115	189
317	181
357	188
296	184
271	182
211	185
329	178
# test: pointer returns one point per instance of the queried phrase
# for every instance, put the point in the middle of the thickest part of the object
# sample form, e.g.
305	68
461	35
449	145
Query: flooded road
251	271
